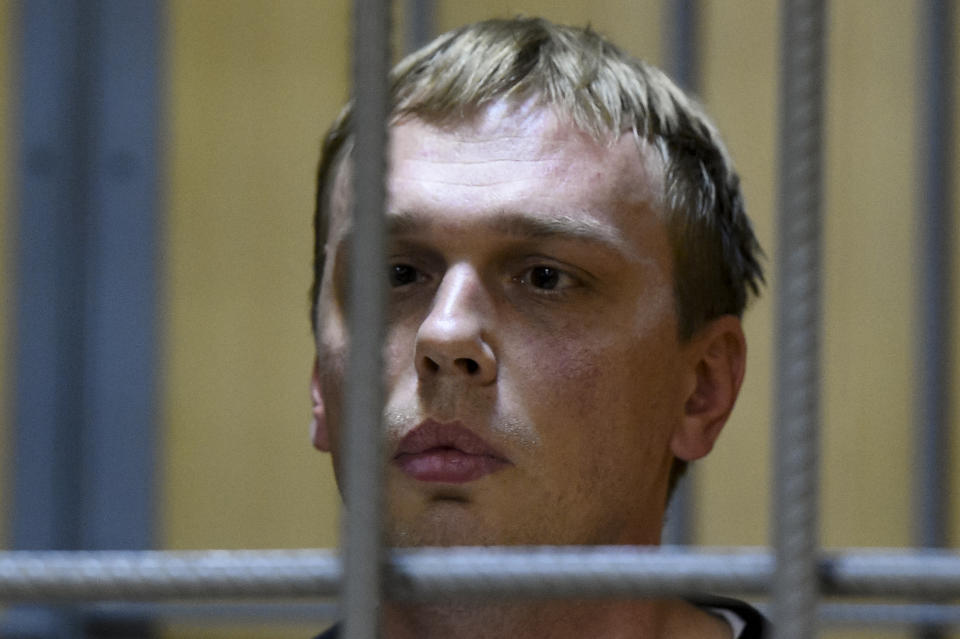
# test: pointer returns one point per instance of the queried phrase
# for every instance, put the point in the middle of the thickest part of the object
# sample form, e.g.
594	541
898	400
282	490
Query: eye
547	279
403	274
544	277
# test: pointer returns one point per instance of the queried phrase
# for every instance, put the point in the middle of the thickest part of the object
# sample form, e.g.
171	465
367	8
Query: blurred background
156	188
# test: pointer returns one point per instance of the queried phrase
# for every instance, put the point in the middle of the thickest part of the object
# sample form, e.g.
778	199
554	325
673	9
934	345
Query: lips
446	453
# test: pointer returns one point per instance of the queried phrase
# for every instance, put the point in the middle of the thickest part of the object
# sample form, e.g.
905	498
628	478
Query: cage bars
798	570
934	287
420	17
463	573
797	376
363	486
681	53
932	405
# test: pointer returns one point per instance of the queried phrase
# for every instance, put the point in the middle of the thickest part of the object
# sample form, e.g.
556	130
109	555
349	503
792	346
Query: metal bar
48	398
50	279
549	571
920	574
935	73
86	275
890	614
362	534
934	286
678	521
120	334
576	572
217	612
795	592
85	285
286	612
681	58
421	23
150	575
681	38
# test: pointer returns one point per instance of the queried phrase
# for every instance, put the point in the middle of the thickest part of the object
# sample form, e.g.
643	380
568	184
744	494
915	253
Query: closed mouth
446	453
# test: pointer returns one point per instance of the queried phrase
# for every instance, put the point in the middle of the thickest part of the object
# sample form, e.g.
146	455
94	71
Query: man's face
534	375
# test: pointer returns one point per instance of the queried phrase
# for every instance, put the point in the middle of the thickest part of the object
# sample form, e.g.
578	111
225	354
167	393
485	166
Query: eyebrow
520	225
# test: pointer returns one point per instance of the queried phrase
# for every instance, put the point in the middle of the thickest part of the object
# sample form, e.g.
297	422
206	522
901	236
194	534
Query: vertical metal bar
681	52
681	42
933	406
121	261
421	23
362	536
48	356
798	303
678	521
86	286
935	60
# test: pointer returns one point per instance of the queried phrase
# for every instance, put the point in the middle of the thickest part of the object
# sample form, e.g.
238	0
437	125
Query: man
568	262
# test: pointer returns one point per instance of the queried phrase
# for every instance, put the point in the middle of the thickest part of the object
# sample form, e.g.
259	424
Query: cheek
595	398
576	378
564	387
582	369
398	350
331	365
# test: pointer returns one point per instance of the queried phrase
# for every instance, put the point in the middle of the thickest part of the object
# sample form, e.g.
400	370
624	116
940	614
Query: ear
318	425
716	361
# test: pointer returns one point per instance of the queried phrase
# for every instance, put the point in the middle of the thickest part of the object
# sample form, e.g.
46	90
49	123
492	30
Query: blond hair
605	93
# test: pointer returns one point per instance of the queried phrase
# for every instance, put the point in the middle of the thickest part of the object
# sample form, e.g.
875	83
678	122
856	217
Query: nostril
430	365
468	365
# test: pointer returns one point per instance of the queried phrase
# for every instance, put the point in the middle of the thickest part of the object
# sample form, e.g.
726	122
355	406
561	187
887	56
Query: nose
452	339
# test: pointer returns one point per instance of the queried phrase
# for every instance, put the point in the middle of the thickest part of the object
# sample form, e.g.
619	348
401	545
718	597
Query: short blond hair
605	93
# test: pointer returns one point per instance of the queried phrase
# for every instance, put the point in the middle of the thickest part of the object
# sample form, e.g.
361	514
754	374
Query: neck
555	619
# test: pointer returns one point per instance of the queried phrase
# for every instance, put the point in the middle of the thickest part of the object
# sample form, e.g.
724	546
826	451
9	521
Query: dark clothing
329	634
756	626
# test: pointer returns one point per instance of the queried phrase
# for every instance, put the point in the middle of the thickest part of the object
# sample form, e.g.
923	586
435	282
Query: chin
444	523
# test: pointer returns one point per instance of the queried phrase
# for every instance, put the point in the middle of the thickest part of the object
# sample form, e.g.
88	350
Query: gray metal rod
795	592
421	23
155	575
57	576
363	478
556	572
681	36
934	286
681	59
932	404
297	612
889	614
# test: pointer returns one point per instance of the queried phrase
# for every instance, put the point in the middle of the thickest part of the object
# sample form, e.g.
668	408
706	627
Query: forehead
511	155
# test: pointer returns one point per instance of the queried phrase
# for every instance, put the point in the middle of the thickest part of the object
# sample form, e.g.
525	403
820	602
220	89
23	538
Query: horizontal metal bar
217	612
549	571
326	611
155	575
555	572
836	614
922	574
